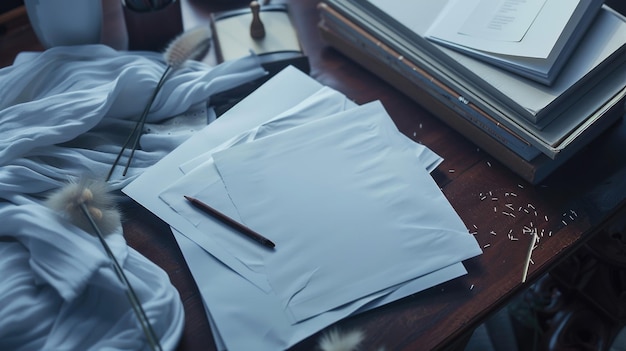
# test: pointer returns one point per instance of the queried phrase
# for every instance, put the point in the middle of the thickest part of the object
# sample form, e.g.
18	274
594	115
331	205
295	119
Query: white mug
65	22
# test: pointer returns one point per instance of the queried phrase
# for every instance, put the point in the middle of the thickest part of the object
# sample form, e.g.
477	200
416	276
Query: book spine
369	45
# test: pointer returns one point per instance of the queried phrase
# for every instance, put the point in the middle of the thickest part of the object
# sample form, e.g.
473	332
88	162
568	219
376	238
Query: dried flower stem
189	45
138	128
142	120
153	340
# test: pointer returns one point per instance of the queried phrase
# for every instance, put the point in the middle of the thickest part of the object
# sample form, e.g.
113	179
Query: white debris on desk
537	226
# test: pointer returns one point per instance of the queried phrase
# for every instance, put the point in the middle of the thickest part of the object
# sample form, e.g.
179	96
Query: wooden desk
571	205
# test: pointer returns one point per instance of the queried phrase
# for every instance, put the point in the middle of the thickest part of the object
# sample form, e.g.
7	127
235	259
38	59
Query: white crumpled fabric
64	113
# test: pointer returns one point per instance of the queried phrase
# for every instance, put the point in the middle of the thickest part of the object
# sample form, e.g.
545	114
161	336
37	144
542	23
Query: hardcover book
444	101
402	25
532	38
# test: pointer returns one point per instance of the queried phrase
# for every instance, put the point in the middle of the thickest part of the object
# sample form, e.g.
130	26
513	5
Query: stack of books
529	91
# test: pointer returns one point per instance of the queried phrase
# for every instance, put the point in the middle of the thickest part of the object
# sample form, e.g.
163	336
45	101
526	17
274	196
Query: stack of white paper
347	199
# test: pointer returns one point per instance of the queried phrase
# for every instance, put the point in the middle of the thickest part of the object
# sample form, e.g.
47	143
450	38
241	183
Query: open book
532	38
403	24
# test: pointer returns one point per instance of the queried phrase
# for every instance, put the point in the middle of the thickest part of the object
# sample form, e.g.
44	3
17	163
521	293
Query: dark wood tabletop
572	204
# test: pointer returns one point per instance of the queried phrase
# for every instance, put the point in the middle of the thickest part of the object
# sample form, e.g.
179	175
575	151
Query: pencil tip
187	197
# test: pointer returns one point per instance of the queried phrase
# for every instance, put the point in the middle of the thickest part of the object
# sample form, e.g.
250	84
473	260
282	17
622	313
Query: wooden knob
257	29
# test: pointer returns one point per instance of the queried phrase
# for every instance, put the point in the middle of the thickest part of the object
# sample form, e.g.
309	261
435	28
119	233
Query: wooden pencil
231	222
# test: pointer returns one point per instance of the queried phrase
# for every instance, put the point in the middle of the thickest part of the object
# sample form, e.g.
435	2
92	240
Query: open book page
532	100
606	36
531	38
529	28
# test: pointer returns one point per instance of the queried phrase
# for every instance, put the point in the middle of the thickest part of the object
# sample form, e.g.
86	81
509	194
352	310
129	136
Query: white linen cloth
64	114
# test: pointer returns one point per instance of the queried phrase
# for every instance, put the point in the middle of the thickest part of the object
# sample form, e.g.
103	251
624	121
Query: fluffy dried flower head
100	204
189	45
336	340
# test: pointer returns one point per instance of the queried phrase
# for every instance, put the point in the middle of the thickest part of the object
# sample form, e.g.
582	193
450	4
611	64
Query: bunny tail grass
335	340
87	204
189	45
95	197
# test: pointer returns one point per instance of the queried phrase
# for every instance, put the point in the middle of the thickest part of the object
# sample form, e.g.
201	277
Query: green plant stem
138	128
153	340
